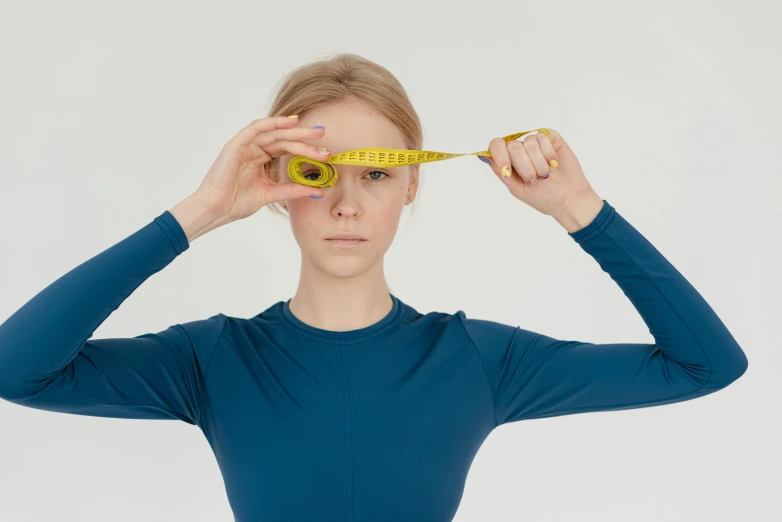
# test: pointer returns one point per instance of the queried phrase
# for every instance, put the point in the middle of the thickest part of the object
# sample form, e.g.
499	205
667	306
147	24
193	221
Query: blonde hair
343	78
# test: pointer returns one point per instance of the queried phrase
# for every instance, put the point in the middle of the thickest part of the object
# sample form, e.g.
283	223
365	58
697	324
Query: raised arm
47	359
532	375
49	362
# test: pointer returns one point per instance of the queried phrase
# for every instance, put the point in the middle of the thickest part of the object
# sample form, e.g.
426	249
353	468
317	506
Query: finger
521	161
255	167
547	147
500	159
247	134
532	147
296	133
284	191
297	148
555	139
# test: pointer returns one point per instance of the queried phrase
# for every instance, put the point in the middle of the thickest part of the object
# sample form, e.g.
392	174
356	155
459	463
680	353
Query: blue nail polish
484	160
316	197
318	127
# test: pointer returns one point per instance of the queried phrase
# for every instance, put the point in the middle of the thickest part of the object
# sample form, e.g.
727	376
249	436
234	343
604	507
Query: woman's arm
49	362
533	375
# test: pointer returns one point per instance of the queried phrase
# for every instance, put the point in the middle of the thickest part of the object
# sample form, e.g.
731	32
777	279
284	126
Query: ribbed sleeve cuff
174	231
598	224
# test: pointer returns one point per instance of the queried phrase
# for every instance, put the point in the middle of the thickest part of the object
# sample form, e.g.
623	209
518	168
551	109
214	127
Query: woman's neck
341	311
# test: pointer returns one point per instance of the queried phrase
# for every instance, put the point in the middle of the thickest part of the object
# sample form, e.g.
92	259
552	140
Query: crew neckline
360	334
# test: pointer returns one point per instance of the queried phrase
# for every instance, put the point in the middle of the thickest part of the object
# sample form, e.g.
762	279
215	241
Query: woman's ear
412	188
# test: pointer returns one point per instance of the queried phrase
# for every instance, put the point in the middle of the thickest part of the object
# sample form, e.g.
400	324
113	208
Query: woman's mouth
346	243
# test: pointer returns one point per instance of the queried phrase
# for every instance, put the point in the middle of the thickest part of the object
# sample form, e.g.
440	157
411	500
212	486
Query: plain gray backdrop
112	112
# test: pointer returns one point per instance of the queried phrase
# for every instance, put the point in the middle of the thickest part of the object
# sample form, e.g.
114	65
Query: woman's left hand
529	161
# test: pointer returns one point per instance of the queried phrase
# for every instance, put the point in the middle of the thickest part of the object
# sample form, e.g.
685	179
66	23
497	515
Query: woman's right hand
237	186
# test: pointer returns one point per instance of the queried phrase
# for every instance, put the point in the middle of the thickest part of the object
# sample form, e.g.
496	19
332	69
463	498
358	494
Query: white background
112	112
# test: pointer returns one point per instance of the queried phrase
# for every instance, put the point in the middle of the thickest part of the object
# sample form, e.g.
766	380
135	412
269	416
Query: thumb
557	141
291	191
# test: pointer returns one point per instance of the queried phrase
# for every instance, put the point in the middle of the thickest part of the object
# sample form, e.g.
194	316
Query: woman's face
367	201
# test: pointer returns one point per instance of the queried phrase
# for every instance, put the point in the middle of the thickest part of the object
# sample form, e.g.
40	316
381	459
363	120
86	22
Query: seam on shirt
208	364
483	365
604	409
145	406
601	227
338	341
695	337
61	373
351	445
164	226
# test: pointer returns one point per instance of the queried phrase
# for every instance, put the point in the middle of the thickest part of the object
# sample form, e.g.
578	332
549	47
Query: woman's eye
319	173
377	172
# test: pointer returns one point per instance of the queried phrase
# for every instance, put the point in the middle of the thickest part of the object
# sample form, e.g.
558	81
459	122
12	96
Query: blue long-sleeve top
375	424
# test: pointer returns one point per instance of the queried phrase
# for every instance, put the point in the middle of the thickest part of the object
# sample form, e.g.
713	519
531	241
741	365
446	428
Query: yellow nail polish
505	171
293	116
553	163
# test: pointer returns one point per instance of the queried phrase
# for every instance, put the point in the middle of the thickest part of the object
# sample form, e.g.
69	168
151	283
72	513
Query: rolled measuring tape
374	157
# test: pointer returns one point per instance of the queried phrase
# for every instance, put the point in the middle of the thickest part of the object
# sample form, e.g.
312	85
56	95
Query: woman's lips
346	243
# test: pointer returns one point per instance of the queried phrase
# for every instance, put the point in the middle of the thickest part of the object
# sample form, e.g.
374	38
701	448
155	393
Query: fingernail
316	197
293	116
547	175
505	171
318	127
323	151
484	160
553	163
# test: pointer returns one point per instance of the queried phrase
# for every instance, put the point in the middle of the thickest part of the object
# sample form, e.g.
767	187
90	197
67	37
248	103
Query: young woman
344	402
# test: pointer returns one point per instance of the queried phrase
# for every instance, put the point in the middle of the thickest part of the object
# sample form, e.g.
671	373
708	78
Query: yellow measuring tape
374	157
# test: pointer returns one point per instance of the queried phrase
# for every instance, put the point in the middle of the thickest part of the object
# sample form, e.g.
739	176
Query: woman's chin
344	266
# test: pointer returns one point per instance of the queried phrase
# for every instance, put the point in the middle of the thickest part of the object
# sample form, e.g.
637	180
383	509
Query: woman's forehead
350	128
